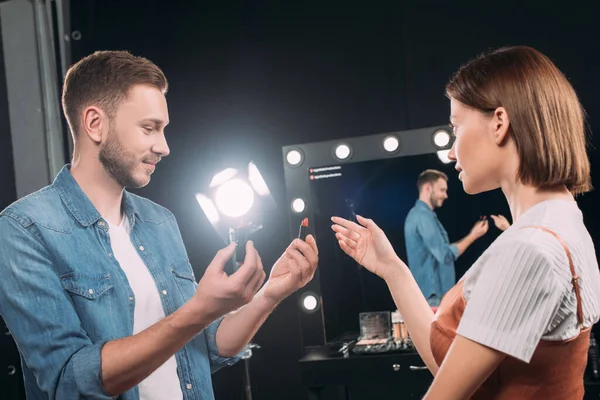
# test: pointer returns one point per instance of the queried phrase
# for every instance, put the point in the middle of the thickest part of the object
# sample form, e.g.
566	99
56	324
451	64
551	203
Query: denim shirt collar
421	204
78	204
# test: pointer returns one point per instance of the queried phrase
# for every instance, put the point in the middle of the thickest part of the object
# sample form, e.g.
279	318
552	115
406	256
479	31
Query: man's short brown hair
105	78
546	118
430	176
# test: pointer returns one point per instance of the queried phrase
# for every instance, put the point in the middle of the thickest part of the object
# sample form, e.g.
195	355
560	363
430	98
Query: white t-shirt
164	382
520	290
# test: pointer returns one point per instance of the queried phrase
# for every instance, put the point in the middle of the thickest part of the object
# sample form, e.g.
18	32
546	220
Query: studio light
342	151
309	302
391	144
441	138
208	207
294	157
222	177
443	156
234	198
237	202
257	181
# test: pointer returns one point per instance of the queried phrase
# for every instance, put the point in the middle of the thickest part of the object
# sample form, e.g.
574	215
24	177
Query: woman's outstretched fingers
346	232
347	224
347	249
366	222
349	242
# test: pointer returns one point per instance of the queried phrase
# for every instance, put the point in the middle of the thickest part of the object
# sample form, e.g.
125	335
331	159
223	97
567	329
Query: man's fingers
259	282
295	270
255	283
298	263
246	271
310	239
260	274
305	249
250	253
221	258
259	263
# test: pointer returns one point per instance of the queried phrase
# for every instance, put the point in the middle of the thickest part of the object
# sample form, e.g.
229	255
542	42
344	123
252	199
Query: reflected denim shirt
430	255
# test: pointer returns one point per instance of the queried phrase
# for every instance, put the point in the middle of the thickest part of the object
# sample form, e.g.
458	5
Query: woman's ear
500	125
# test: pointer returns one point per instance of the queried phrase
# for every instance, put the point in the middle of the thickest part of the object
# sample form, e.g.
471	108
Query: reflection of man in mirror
430	254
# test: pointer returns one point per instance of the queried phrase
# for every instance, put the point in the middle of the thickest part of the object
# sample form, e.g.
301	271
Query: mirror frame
322	155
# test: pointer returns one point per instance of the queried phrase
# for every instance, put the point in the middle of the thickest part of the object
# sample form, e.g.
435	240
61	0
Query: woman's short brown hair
547	121
105	78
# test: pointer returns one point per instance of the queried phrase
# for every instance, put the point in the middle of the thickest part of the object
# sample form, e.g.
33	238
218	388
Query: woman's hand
367	244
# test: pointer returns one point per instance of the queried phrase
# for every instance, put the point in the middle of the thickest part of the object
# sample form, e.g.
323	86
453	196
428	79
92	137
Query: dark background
248	77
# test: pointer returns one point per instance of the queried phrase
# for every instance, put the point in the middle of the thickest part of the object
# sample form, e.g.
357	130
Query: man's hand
294	269
501	222
218	293
479	229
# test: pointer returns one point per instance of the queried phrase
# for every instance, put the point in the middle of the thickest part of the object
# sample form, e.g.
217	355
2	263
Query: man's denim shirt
430	254
63	295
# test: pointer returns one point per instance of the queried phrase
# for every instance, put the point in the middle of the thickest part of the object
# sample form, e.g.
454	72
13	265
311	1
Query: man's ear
93	119
428	187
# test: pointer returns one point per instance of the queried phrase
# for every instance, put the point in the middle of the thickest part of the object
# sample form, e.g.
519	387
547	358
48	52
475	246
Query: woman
517	325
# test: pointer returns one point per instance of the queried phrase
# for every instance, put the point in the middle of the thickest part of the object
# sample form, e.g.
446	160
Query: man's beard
435	201
119	163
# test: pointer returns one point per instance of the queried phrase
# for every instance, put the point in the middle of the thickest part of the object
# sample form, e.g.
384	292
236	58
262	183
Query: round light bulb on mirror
298	205
234	198
293	157
342	151
443	156
441	138
391	144
309	302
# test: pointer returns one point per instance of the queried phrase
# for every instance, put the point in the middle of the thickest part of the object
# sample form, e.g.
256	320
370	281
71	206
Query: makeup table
369	377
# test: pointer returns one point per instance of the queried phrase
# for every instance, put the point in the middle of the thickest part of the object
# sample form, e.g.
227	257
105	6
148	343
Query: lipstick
303	229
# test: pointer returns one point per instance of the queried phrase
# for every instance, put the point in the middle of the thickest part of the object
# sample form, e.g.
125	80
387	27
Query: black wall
249	77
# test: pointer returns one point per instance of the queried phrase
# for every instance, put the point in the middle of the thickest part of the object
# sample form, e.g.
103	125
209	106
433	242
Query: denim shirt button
130	298
188	386
91	291
141	248
164	292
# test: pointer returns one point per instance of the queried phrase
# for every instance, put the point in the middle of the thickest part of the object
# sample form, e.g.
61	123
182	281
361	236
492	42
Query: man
430	254
96	285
